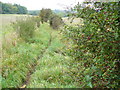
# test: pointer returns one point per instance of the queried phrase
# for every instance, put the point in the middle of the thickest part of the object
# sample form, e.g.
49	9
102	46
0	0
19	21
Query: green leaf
90	84
88	78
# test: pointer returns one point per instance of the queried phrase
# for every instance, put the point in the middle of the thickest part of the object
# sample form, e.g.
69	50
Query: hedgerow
96	48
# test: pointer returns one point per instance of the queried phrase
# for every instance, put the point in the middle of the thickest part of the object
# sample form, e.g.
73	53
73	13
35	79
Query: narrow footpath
50	69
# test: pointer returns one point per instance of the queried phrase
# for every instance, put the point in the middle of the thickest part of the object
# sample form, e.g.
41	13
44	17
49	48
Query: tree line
8	8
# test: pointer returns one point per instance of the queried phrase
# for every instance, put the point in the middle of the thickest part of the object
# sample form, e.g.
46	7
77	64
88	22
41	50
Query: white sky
39	4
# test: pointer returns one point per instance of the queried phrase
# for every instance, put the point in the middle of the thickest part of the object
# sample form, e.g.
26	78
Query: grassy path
52	68
39	64
28	77
19	60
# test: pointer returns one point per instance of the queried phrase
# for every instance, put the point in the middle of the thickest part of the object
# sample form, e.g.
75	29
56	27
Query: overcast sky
39	4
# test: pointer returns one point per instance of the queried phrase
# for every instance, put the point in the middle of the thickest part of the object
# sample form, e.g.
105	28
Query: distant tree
21	9
14	9
33	12
0	7
7	8
45	14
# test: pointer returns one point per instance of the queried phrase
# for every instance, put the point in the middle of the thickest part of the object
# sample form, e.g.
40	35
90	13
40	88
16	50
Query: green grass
17	60
51	72
52	67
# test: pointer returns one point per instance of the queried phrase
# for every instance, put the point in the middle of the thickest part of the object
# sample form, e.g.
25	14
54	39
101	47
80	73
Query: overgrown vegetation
26	27
83	55
18	60
51	71
96	48
45	52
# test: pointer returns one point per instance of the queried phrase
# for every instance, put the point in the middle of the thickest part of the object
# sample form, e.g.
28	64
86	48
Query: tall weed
25	28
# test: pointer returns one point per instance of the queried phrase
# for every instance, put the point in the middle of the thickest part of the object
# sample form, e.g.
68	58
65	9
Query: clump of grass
51	72
15	67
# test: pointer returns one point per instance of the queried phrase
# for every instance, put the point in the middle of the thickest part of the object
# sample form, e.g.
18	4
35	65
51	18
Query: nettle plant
96	47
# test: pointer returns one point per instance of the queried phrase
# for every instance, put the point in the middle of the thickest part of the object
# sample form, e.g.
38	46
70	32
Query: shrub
96	48
45	14
55	21
25	28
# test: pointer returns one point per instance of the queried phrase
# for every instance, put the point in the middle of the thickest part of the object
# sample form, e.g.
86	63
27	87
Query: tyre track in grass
33	66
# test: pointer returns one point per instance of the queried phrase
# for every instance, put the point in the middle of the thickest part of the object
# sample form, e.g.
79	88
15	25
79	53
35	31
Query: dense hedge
96	48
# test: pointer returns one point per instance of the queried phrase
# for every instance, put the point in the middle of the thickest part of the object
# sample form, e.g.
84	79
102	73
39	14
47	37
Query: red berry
89	38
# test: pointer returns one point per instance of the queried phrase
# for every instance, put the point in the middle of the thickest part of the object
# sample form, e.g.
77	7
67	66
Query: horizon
38	5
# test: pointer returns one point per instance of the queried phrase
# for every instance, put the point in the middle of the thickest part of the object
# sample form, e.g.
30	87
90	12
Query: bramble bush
96	48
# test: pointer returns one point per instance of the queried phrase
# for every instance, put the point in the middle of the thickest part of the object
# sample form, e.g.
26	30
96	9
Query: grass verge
51	69
18	60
